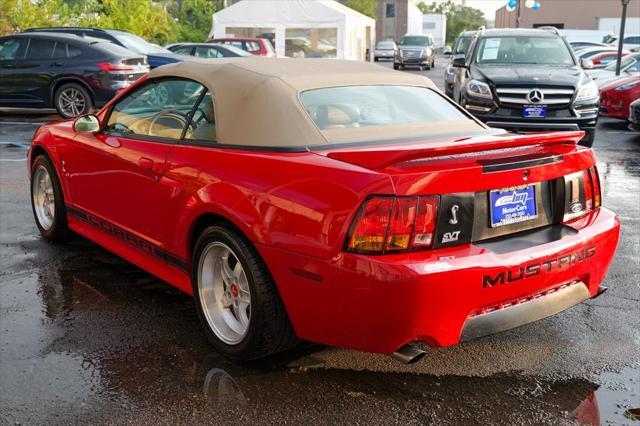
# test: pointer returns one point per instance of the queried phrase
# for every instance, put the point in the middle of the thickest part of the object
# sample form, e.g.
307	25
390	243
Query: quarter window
158	109
73	51
202	126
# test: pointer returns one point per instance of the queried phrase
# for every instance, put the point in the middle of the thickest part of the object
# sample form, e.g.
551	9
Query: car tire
72	100
396	66
588	138
376	59
47	201
237	329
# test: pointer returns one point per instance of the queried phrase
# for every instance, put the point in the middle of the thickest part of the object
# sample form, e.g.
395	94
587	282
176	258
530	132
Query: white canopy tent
311	28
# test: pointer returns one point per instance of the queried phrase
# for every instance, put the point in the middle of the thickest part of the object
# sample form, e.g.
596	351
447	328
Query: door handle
56	64
145	163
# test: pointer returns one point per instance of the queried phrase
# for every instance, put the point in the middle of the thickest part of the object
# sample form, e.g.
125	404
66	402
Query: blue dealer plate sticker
513	205
534	111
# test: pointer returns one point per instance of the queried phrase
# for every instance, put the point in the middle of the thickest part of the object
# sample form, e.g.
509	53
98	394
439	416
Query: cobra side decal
129	238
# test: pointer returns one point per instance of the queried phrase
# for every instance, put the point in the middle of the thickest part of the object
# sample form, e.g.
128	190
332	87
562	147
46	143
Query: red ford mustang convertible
331	201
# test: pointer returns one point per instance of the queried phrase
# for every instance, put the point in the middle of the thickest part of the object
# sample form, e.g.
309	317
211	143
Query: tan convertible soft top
256	99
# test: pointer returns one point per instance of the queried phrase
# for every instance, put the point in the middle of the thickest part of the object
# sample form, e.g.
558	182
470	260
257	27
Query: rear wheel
72	100
236	299
47	202
396	66
588	138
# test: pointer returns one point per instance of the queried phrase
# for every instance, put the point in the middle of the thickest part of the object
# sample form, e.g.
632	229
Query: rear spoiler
381	156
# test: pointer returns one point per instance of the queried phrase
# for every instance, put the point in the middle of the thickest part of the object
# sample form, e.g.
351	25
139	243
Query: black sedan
207	50
70	73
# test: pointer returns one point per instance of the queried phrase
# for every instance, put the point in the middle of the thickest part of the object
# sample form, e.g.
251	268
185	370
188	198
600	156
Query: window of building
311	42
391	10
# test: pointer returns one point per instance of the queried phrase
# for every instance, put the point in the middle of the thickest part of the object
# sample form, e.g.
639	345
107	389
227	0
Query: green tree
17	15
193	17
459	18
366	7
146	18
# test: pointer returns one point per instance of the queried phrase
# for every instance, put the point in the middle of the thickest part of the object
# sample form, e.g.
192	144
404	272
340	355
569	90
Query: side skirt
132	248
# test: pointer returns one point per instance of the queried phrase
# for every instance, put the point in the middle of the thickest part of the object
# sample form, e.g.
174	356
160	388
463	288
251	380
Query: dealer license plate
513	205
534	111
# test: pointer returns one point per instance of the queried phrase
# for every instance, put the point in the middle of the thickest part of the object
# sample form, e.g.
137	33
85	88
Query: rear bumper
380	303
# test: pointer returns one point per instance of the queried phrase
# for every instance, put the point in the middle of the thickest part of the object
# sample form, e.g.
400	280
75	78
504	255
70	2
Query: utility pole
625	3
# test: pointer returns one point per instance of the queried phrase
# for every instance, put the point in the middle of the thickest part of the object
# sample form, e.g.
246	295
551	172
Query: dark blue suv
156	55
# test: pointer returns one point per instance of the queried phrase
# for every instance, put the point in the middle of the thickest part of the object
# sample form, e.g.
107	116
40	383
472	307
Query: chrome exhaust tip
408	354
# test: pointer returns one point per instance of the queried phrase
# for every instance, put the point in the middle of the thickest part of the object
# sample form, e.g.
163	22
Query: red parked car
603	59
331	201
616	96
255	46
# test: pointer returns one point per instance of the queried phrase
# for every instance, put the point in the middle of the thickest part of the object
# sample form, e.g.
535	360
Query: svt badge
450	237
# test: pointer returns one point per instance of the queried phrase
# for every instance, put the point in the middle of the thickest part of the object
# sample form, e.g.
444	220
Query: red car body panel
615	103
144	201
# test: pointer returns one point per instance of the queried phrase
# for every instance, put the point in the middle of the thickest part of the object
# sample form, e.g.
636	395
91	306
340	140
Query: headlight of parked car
426	52
587	91
449	70
479	89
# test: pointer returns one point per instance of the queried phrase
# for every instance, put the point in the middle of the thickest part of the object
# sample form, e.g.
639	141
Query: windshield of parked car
627	60
523	50
386	45
414	41
461	45
363	106
138	45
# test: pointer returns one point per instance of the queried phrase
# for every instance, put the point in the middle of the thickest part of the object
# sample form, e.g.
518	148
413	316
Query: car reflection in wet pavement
87	337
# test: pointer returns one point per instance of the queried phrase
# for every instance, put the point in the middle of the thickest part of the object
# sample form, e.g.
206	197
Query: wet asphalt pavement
86	337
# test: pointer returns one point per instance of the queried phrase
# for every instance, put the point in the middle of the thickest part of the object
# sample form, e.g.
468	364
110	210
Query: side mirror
586	64
459	62
446	50
87	124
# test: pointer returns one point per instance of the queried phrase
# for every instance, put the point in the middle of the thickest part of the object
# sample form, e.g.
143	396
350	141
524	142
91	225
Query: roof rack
550	28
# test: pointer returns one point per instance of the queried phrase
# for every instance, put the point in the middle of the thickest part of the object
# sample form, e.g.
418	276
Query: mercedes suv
526	80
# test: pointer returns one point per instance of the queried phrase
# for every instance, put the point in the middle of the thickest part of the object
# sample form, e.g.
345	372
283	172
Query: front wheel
588	138
47	202
236	298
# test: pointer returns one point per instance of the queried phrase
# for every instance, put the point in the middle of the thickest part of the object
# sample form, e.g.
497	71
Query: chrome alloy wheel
224	293
71	102
43	197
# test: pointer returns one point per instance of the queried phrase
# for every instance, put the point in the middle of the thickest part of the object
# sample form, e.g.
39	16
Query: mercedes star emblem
535	96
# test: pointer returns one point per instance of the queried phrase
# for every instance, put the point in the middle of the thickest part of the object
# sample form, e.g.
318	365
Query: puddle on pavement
89	337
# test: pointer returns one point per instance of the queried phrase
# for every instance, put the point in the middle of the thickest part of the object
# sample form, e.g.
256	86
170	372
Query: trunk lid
488	186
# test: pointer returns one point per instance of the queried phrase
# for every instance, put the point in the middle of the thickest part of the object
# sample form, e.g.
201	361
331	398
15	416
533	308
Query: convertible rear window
366	106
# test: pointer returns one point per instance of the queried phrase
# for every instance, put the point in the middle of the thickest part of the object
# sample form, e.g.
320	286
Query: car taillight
106	66
403	218
595	181
425	222
393	224
582	193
